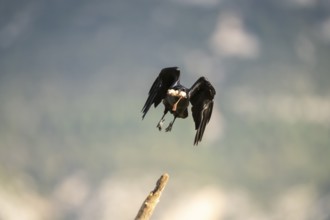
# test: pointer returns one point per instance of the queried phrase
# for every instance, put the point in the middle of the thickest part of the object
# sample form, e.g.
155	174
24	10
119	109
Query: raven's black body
181	110
176	99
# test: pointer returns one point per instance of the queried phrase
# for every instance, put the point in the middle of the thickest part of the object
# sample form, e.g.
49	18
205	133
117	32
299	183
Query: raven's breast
177	105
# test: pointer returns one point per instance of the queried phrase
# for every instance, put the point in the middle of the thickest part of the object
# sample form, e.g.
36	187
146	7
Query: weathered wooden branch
152	199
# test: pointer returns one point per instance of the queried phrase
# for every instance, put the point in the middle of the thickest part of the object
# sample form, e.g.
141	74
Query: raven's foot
160	124
169	128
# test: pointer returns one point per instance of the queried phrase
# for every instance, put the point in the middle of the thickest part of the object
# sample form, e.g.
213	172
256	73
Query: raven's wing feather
166	78
201	97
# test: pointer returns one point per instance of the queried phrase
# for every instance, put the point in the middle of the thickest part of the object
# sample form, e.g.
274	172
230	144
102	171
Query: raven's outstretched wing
201	97
166	78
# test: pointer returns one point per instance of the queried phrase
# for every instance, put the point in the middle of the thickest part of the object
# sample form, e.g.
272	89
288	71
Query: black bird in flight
176	98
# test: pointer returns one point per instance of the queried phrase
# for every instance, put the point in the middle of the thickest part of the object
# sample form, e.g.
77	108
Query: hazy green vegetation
75	75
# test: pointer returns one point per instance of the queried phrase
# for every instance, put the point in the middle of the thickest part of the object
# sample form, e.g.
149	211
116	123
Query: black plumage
176	98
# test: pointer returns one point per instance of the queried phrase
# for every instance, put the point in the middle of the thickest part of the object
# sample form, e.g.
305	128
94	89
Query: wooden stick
152	199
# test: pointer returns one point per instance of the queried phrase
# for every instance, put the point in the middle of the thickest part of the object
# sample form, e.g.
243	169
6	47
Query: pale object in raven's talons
177	93
152	199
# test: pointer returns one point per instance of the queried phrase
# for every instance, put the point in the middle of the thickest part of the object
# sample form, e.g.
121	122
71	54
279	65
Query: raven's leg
169	128
160	123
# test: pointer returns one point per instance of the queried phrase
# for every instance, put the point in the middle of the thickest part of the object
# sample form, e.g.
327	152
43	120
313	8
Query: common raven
176	98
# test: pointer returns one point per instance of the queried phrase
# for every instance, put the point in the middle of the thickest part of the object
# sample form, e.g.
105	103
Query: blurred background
74	76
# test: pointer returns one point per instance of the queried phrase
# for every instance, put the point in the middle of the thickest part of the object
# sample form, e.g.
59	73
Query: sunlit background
74	76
